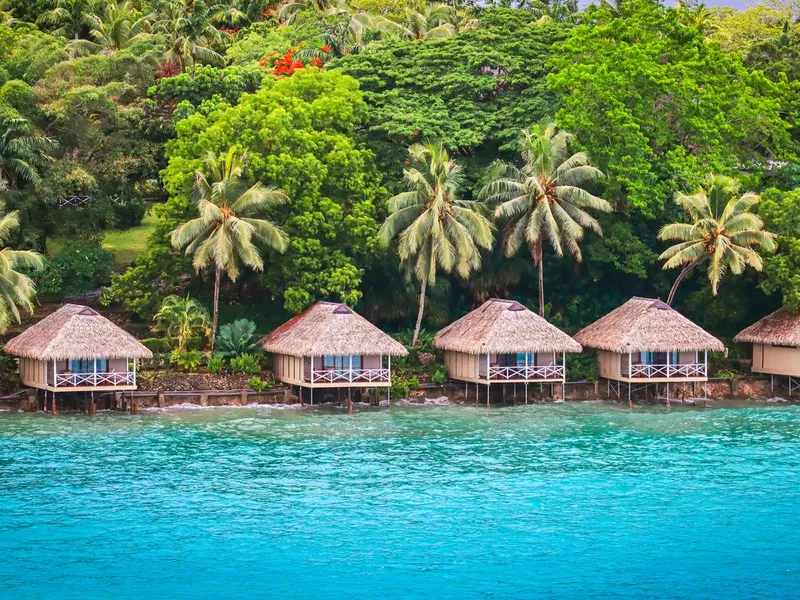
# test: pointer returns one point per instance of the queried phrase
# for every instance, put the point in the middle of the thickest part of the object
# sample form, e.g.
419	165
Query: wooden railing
664	371
530	372
95	379
350	376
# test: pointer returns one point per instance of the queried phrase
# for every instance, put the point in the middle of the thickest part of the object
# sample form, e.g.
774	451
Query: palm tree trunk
684	272
217	277
537	260
422	289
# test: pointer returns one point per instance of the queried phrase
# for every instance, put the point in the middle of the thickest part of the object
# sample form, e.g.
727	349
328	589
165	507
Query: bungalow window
87	365
521	359
341	363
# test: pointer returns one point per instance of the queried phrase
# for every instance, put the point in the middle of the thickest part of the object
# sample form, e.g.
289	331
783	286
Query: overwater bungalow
776	346
331	346
504	342
76	349
645	341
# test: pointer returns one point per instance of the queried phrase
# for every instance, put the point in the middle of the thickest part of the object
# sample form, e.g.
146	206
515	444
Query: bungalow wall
288	369
776	360
462	366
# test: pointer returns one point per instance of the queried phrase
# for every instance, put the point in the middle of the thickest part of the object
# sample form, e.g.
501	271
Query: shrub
129	212
165	345
439	376
186	360
77	269
259	385
727	374
237	338
215	364
248	364
400	387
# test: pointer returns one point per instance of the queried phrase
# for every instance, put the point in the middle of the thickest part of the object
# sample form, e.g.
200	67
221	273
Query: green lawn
126	244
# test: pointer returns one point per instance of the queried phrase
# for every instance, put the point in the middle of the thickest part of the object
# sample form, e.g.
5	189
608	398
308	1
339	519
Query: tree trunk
537	260
217	277
422	289
686	270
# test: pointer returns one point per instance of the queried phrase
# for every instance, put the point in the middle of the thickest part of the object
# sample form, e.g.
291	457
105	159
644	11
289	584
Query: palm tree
434	21
22	154
181	318
191	34
16	290
118	27
546	200
435	229
231	222
290	8
69	16
726	239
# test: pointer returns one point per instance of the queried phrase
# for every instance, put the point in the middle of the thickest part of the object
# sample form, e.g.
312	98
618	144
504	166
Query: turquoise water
586	500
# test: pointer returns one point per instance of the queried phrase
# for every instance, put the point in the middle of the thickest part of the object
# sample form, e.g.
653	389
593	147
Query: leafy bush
215	364
727	374
237	338
129	212
439	376
400	387
186	360
77	269
259	385
582	367
248	364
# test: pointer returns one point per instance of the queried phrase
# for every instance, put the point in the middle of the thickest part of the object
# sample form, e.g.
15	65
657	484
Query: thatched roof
75	331
331	329
646	325
503	327
781	328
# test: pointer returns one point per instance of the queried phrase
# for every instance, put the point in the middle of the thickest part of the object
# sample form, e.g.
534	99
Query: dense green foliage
107	108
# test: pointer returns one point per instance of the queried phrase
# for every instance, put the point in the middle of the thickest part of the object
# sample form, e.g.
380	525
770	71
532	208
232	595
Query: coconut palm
16	289
188	25
434	21
119	26
723	233
436	230
546	200
69	16
231	224
22	154
181	318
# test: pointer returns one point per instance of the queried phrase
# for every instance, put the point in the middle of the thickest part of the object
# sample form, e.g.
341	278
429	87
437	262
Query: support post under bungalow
311	387
564	376
94	372
630	373
389	393
488	377
134	371
669	355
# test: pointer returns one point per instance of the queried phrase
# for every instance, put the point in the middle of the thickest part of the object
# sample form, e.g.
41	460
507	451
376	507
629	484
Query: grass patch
126	244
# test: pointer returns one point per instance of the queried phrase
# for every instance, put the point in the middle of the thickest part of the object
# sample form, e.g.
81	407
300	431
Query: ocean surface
549	501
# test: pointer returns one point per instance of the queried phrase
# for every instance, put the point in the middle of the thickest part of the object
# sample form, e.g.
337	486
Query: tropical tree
231	224
290	8
16	289
434	21
724	233
181	318
69	16
119	26
191	34
546	201
435	229
22	154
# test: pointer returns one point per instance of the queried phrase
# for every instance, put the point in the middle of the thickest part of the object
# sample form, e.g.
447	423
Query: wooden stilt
93	409
526	392
349	400
630	401
55	407
668	393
